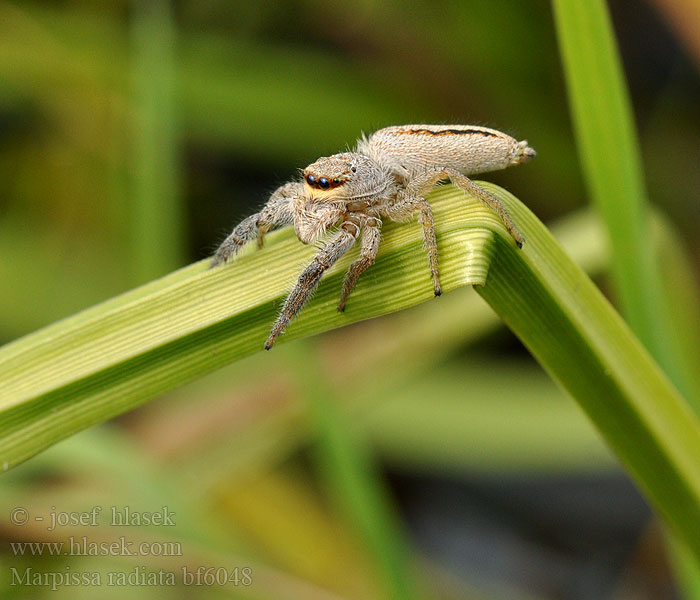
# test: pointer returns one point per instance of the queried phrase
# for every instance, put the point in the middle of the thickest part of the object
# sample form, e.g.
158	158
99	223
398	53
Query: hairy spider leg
277	211
461	180
371	236
408	201
326	257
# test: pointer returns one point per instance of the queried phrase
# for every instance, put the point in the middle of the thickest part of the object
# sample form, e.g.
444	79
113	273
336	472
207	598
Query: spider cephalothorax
387	176
346	176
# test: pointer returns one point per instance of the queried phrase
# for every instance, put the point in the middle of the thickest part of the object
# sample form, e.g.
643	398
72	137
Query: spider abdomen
469	149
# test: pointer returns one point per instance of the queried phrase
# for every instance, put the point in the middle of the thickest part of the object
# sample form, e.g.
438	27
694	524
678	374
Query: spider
387	176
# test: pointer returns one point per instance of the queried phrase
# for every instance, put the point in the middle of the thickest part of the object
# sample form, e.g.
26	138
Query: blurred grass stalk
345	463
609	150
157	214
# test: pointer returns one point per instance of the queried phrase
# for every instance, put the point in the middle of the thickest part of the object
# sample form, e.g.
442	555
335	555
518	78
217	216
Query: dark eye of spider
323	183
310	179
336	181
353	169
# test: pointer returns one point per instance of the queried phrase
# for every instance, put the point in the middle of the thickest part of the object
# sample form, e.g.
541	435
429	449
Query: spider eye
323	183
310	179
336	181
353	169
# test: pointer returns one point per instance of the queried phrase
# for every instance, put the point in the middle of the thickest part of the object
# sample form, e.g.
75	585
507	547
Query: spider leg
489	199
371	235
278	211
430	243
245	231
423	183
338	245
406	204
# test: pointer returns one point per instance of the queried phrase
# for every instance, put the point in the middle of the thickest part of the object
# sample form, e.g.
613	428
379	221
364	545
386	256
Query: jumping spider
388	175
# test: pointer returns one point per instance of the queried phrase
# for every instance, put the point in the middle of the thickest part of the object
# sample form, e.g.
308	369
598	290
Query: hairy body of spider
387	176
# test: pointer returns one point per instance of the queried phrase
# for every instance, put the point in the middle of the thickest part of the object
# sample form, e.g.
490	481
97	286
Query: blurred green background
134	134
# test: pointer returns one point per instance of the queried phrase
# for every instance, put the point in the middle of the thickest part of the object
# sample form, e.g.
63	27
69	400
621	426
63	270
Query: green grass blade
584	344
609	150
104	361
108	359
156	211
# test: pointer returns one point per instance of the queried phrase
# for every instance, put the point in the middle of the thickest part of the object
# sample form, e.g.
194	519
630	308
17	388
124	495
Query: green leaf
112	357
611	160
108	359
584	344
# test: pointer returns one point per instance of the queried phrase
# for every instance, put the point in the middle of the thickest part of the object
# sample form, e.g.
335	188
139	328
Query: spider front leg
338	245
371	236
278	211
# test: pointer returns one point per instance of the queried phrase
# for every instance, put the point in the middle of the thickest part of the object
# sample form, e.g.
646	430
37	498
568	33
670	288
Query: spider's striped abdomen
410	149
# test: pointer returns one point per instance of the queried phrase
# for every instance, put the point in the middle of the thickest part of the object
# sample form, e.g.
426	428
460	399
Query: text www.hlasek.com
82	546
